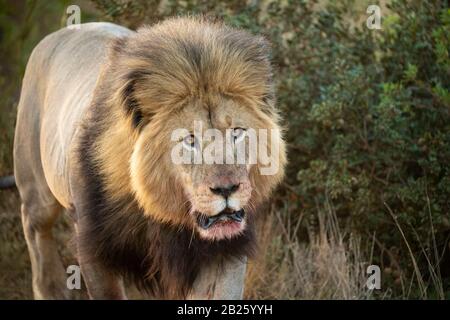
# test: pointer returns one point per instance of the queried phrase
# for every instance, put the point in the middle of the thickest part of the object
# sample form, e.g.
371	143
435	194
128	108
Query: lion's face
215	198
176	84
219	194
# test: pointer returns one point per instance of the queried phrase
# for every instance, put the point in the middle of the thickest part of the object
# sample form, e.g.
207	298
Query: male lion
94	130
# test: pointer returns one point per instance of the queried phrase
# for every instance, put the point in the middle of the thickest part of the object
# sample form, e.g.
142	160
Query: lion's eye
190	141
238	134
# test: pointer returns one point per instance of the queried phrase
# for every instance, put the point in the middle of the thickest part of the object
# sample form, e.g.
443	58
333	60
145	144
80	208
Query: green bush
372	129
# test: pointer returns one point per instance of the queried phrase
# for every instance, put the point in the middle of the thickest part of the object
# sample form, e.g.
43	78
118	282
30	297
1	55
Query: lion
94	138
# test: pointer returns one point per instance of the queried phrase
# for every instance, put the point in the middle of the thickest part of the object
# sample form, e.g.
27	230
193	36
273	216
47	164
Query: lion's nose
225	191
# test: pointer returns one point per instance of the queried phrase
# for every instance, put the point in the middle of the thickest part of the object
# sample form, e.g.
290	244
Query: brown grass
328	266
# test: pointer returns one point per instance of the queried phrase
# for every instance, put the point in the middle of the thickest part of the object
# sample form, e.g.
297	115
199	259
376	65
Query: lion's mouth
223	217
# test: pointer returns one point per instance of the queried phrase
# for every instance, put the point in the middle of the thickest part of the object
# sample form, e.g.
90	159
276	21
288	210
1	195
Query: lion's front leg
101	284
222	280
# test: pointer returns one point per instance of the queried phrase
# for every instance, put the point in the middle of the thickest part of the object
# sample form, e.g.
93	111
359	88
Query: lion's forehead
221	115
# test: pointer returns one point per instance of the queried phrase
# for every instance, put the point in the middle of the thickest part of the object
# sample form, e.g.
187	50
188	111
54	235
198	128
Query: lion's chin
225	225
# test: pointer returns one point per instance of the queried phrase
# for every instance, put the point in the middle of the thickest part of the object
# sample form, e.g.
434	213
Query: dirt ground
15	268
15	276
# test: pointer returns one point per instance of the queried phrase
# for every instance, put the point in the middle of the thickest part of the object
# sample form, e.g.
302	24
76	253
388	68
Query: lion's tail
7	182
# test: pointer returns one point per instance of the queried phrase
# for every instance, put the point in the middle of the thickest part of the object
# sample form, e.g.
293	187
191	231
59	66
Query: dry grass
328	266
330	263
417	284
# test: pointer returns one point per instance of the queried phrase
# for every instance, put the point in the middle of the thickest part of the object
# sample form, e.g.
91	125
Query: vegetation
367	115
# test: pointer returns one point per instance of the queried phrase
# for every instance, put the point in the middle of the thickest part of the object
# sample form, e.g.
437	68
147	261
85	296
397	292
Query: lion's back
57	88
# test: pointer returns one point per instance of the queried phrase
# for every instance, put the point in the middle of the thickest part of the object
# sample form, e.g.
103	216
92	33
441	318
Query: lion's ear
130	102
127	82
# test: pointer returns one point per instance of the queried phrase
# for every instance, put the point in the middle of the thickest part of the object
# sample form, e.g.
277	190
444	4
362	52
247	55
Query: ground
15	268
